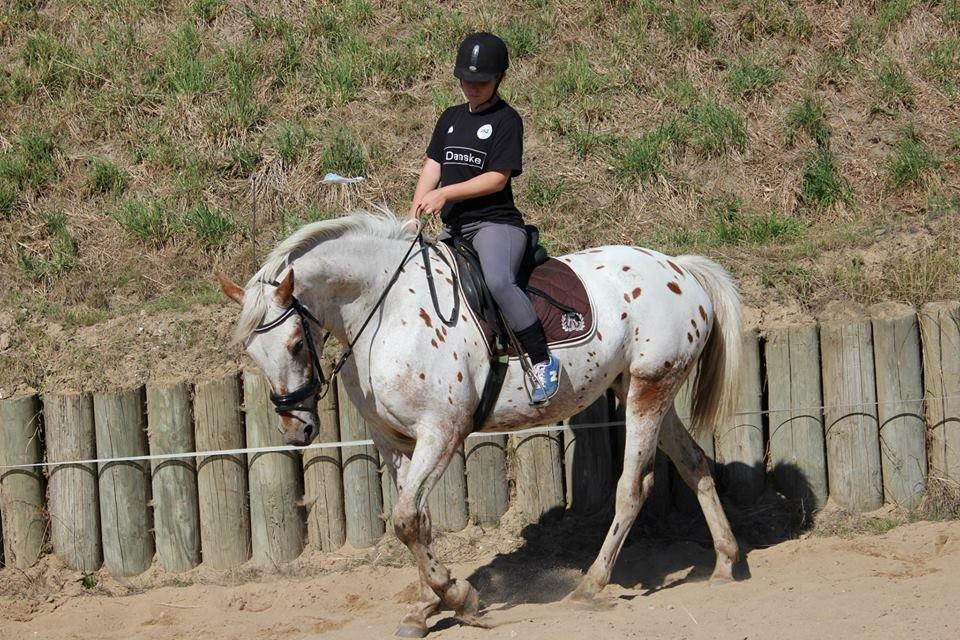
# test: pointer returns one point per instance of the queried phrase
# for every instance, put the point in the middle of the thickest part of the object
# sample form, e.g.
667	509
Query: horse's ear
284	292
230	288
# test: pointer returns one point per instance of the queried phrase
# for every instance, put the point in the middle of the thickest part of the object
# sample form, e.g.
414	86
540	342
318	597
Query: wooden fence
856	409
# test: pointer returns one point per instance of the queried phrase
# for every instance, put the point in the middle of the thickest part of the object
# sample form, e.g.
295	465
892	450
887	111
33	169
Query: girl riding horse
475	151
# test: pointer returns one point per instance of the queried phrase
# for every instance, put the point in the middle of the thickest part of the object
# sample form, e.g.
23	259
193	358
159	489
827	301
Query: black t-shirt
467	144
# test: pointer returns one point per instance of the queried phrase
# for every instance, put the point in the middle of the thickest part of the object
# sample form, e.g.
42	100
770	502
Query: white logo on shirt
450	130
485	131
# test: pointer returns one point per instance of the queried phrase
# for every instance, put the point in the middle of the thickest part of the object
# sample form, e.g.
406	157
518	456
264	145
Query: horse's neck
343	279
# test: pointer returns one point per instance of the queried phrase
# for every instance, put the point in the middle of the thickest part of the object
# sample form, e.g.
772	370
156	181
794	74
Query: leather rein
294	401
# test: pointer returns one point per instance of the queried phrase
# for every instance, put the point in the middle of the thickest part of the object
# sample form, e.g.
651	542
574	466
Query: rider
475	150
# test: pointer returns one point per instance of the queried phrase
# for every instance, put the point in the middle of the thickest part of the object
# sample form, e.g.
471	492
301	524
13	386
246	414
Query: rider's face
477	93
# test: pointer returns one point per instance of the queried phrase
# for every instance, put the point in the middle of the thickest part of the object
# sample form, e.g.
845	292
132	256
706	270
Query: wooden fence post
849	398
176	513
448	500
797	444
940	328
487	491
363	500
222	479
21	490
740	460
587	459
276	485
539	475
903	452
323	481
74	499
126	522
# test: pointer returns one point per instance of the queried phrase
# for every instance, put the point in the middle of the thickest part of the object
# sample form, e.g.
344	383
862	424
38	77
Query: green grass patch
747	79
59	255
107	178
208	225
291	142
808	116
910	162
688	25
765	18
343	154
716	129
950	12
681	94
29	165
893	87
50	60
147	219
206	10
541	191
823	185
643	159
941	64
183	70
575	78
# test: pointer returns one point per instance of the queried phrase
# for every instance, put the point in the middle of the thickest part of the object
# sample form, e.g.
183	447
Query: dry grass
143	145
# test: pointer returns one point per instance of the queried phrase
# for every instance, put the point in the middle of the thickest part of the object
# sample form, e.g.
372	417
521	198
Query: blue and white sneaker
547	377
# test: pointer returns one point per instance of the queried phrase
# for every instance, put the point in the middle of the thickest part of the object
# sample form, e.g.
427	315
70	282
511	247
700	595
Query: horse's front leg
411	522
414	624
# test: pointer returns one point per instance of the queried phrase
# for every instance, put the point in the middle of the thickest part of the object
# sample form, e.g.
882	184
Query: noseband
293	401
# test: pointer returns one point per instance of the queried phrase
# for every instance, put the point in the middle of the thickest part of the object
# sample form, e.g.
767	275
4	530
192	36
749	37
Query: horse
417	381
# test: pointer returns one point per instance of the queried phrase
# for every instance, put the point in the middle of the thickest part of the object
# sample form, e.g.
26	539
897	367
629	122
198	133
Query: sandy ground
902	584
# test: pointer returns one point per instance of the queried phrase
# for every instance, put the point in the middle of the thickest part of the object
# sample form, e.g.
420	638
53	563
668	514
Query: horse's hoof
719	579
583	594
471	604
411	630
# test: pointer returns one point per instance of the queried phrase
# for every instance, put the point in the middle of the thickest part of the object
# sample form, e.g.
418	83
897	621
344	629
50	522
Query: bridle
318	382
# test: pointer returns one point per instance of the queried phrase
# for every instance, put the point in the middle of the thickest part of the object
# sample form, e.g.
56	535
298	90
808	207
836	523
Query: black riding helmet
481	57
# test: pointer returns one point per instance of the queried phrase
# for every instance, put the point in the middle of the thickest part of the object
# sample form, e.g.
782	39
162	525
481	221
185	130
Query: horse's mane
380	224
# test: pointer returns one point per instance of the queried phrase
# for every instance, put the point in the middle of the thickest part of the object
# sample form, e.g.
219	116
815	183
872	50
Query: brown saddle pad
564	329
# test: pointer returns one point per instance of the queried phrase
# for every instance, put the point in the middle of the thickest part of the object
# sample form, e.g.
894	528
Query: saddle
559	298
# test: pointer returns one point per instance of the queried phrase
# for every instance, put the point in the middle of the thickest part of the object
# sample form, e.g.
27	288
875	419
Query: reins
285	403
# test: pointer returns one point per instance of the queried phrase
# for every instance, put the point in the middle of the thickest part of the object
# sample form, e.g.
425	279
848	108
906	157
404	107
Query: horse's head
282	346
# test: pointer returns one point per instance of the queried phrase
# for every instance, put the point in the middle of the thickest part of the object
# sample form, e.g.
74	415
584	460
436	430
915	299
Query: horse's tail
716	386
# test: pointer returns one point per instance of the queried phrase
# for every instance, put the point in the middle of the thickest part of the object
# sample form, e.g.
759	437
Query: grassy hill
811	147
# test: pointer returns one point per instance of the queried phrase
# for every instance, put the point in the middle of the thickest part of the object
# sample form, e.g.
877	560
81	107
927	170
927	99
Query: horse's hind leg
645	408
691	462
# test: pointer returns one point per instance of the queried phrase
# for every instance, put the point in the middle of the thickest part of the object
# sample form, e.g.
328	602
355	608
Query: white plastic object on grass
336	178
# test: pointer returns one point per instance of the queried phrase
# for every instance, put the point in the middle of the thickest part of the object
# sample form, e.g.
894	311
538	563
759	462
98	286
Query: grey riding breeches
500	248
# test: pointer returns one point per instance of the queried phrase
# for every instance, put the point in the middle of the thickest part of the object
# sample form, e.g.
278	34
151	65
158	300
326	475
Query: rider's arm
481	185
429	179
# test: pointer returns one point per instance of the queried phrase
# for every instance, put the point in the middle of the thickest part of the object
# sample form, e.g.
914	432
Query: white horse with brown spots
657	317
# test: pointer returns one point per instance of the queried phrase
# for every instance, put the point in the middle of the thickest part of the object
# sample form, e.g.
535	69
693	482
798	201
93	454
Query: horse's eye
297	346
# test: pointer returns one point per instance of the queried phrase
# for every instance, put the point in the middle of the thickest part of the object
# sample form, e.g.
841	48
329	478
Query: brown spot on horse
439	335
623	316
434	343
625	267
599	336
673	286
689	337
426	318
636	293
423	376
676	268
626	297
703	314
459	376
600	267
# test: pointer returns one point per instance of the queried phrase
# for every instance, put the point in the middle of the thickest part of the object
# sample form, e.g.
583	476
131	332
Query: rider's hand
432	202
